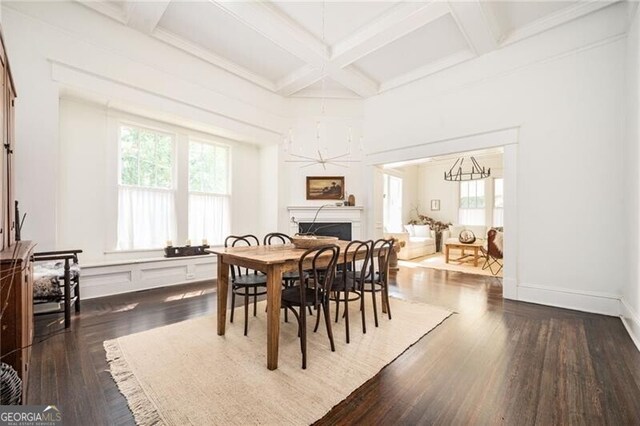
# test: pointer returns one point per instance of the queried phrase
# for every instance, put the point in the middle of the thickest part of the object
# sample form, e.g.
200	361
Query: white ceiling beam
555	19
354	80
210	57
108	9
299	79
290	36
145	15
402	20
474	26
276	27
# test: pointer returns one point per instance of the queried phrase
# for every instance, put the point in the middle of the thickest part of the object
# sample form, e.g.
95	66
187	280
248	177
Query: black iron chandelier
457	174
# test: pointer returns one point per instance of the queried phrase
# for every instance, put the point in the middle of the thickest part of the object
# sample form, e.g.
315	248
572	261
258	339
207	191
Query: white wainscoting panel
106	279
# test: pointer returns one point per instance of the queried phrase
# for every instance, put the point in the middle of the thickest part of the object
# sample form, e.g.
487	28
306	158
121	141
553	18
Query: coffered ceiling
366	47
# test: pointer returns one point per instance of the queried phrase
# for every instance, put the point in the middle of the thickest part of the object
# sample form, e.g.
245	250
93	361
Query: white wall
631	292
563	89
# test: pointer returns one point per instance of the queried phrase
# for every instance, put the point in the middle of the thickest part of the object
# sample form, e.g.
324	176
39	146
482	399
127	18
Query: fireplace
342	230
344	222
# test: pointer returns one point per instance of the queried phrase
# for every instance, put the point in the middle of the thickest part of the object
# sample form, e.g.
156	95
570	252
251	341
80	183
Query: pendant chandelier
457	172
340	160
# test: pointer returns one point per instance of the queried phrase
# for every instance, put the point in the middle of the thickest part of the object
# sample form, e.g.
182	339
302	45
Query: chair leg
233	303
317	321
327	321
346	312
255	300
386	299
375	307
246	311
362	314
67	295
303	336
77	293
337	304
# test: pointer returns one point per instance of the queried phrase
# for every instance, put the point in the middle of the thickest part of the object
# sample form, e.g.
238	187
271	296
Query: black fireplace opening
342	230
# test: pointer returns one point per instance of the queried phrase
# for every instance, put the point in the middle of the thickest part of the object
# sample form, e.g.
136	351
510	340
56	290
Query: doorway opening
449	222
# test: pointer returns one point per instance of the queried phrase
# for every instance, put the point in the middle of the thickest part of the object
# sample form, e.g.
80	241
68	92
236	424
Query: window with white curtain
392	212
498	202
209	193
146	190
472	203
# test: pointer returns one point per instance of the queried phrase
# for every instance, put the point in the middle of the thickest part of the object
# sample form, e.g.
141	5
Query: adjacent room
320	212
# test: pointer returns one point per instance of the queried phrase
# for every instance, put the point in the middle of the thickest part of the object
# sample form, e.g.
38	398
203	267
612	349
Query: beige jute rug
185	373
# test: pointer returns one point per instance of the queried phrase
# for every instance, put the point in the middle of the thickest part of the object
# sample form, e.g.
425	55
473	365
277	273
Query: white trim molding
631	321
579	300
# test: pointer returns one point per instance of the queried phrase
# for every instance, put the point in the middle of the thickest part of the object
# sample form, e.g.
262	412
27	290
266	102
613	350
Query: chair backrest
247	240
357	249
320	263
383	255
492	248
276	237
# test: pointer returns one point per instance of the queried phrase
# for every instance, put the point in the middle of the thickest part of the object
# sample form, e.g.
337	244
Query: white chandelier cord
338	160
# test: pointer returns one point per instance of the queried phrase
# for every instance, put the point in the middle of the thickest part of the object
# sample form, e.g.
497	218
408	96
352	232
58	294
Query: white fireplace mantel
350	214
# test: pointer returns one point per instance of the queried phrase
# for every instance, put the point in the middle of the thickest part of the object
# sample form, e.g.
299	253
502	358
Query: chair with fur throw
493	252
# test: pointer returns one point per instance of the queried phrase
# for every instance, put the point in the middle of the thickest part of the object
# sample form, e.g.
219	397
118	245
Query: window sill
149	250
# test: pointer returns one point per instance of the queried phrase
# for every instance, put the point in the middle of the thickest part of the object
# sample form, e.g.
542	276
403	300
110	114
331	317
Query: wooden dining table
274	261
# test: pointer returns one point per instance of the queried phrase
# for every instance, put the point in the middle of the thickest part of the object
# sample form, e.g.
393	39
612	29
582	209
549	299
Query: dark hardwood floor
494	362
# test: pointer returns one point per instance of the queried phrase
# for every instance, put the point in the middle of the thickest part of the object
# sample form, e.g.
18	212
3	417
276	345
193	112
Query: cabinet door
9	175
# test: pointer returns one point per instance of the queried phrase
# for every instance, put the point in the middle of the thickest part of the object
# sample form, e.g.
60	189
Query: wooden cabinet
16	323
16	269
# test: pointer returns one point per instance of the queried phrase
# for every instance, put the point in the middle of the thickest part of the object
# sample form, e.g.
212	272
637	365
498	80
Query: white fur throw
498	241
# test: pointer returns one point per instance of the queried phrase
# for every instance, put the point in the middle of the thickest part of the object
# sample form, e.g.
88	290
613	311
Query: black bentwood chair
246	284
315	293
378	280
347	286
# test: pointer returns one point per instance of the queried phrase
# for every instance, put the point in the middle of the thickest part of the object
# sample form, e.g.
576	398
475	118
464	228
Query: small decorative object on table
311	241
467	237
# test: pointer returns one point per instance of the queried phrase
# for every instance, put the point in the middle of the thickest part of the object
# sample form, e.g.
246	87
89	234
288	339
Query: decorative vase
352	200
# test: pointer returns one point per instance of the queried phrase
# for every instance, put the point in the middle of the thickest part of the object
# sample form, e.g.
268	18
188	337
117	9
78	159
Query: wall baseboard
594	302
631	322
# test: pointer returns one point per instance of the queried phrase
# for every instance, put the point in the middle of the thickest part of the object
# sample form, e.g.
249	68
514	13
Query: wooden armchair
50	295
493	253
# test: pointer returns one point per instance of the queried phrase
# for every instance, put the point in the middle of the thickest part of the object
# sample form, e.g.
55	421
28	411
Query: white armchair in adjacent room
419	241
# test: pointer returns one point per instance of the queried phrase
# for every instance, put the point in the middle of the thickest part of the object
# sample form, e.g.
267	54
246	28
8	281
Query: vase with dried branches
435	225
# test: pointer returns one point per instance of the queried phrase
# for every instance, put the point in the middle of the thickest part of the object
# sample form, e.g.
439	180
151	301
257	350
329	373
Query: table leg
274	292
223	289
475	256
446	250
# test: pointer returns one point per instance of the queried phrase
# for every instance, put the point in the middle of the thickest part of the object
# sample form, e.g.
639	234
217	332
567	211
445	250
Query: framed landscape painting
325	187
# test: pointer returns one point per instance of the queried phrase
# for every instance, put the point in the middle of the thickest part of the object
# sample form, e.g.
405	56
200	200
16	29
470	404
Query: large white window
472	203
392	214
209	192
146	190
498	202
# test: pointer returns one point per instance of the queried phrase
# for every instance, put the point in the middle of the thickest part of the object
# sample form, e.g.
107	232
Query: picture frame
325	187
435	205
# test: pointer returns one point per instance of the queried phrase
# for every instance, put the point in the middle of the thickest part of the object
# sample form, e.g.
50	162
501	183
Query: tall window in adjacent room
498	202
146	190
472	203
392	214
209	192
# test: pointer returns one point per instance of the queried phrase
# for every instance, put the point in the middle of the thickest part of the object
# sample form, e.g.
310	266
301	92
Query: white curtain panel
208	218
471	217
146	218
498	217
